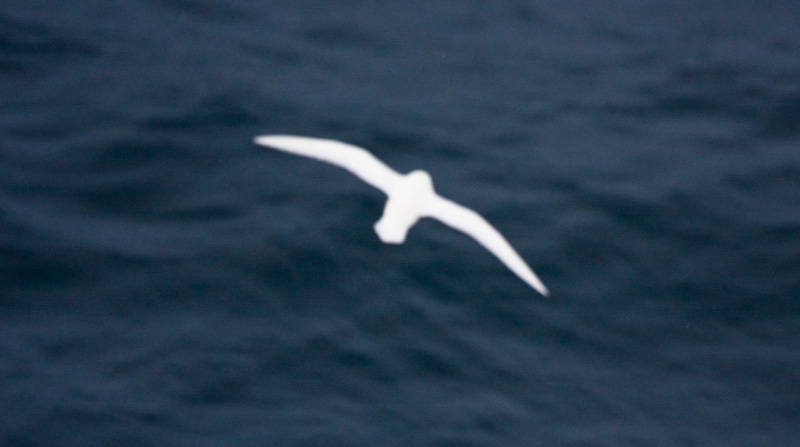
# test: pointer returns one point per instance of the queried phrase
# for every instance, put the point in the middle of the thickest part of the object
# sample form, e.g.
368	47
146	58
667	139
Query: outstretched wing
355	159
473	224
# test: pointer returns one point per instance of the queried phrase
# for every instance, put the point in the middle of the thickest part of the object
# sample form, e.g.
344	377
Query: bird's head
419	180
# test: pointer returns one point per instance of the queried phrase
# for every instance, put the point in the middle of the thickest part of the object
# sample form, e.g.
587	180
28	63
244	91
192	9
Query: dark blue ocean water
164	281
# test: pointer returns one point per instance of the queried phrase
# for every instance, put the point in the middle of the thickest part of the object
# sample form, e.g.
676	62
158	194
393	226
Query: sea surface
166	282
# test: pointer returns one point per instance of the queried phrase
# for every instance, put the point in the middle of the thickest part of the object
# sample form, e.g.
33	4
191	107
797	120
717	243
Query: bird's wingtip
264	140
539	287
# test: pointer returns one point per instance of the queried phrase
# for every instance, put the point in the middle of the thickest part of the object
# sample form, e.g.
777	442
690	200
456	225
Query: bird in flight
410	197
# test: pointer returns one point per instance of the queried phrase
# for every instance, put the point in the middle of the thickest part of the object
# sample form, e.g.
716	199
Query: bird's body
409	198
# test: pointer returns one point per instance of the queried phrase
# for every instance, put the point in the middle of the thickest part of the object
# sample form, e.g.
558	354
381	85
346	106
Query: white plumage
410	197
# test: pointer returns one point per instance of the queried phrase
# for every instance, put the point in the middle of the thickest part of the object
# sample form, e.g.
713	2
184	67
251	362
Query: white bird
410	197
